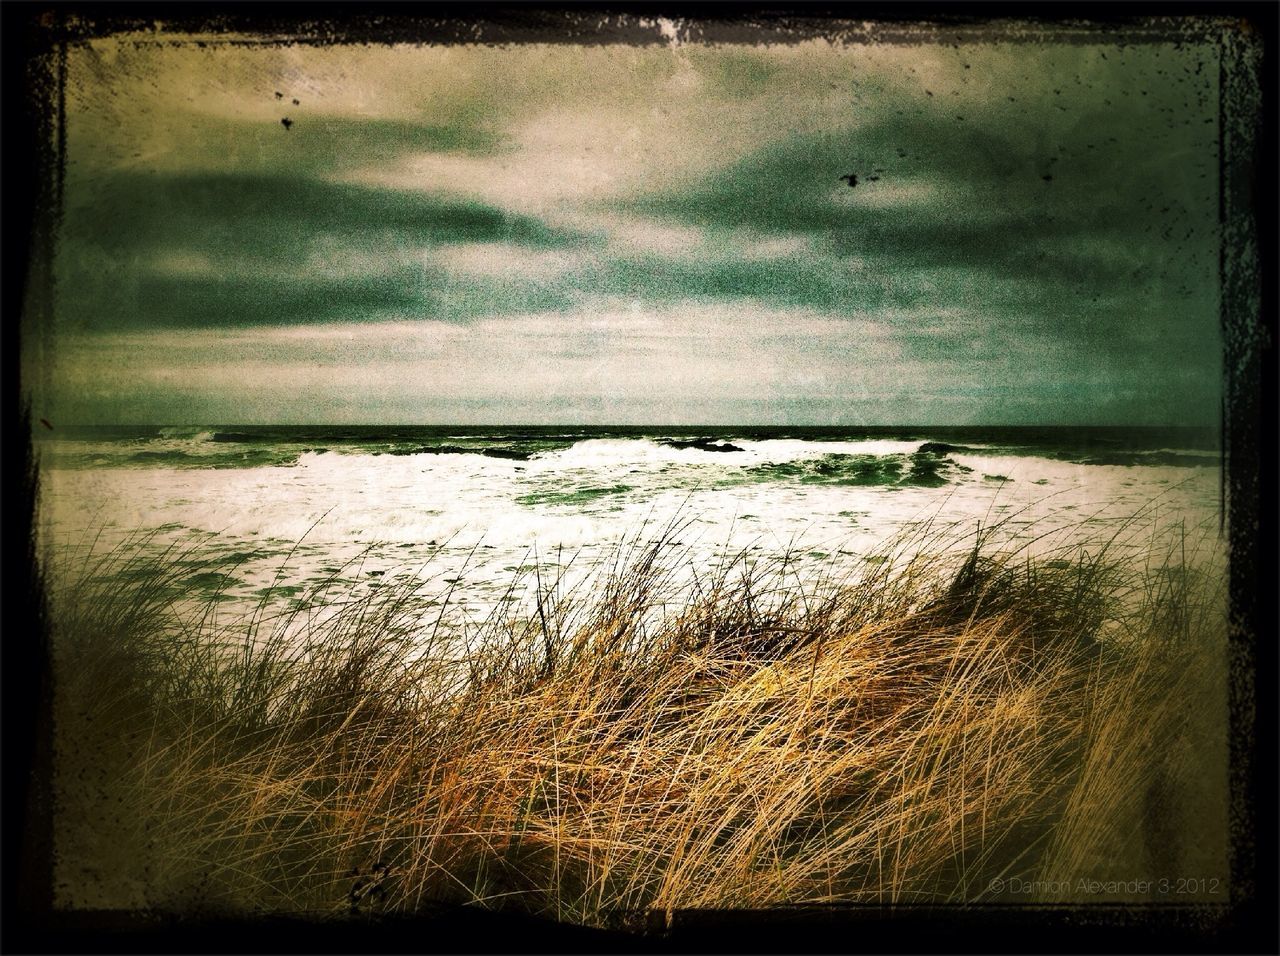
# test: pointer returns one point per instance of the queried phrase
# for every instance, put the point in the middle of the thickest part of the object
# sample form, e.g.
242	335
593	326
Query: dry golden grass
947	719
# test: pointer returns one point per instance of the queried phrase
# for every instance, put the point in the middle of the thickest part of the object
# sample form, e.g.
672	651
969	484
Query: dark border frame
33	77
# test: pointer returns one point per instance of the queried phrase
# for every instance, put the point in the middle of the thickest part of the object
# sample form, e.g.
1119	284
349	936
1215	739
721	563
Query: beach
603	679
279	510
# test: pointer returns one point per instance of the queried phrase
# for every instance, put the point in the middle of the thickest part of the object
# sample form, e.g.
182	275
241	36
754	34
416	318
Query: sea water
281	509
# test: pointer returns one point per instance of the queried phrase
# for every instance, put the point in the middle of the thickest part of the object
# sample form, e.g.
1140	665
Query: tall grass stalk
950	717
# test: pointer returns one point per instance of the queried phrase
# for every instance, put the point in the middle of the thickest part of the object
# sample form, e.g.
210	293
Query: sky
636	234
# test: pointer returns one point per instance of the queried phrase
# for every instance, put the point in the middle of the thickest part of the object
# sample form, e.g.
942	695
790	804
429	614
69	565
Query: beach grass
954	723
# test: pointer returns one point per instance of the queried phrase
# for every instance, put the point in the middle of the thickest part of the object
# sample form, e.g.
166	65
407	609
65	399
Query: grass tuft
732	737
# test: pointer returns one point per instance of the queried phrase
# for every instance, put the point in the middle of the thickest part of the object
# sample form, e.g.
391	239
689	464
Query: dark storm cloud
1091	229
984	202
1033	236
259	235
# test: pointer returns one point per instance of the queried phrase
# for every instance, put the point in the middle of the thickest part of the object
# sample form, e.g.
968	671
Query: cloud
504	260
722	354
466	229
162	250
730	361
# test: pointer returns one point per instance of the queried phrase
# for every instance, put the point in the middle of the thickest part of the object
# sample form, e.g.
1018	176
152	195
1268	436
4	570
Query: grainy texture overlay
645	474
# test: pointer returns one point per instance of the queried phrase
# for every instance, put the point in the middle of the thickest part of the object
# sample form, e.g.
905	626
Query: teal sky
623	234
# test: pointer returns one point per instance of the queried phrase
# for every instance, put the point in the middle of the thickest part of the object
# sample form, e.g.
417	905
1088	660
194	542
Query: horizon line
1214	426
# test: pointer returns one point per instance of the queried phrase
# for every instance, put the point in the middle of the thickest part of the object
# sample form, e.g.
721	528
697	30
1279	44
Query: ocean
275	511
